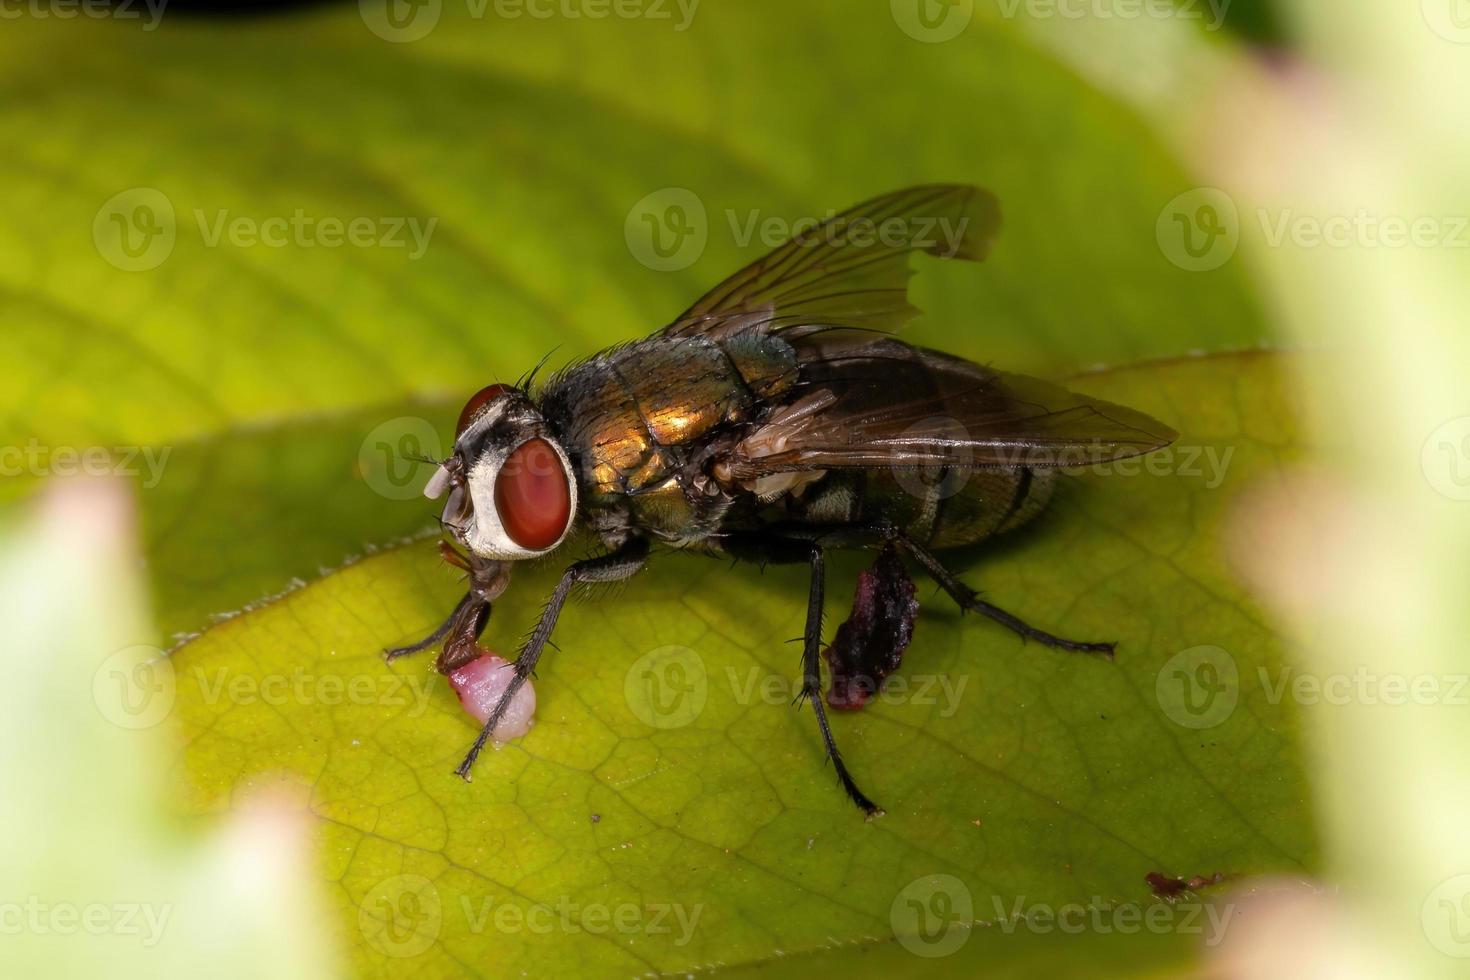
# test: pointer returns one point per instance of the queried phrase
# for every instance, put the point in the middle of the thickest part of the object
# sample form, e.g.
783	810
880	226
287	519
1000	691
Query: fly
775	419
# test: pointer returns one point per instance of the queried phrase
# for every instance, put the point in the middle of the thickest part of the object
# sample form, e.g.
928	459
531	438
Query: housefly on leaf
775	419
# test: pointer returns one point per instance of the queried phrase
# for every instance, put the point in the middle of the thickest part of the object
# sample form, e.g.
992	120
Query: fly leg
488	579
778	549
463	644
455	618
617	566
811	685
970	601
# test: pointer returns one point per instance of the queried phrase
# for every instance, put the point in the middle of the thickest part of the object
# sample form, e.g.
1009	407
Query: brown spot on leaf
1170	889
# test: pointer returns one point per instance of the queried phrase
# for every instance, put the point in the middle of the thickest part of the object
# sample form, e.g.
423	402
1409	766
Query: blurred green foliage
1260	21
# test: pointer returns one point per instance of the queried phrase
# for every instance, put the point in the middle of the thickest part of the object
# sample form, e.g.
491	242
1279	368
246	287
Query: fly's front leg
461	631
622	564
970	601
455	619
463	644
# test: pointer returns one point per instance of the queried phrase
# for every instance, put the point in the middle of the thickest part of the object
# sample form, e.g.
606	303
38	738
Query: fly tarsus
615	567
811	687
1029	632
969	601
460	632
393	653
488	579
778	549
517	679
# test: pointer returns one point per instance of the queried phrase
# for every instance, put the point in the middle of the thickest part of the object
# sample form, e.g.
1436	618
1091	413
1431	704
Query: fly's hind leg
970	601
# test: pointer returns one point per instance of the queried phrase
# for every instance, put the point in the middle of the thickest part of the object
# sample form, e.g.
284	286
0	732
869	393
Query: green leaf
1045	780
529	142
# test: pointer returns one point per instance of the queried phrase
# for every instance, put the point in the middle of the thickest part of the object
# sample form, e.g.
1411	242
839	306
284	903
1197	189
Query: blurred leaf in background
97	879
1258	21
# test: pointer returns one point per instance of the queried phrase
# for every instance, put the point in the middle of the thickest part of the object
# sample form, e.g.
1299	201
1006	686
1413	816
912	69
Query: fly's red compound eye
533	496
478	401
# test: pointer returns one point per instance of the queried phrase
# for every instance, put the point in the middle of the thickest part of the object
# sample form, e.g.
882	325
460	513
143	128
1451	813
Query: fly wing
866	402
851	270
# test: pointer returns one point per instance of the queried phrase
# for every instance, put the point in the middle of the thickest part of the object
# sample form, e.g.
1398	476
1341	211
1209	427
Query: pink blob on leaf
479	685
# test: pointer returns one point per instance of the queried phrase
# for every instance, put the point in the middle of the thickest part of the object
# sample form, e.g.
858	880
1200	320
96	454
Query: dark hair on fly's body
529	378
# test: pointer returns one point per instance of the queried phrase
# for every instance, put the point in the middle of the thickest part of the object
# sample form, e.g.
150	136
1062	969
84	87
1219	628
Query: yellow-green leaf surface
670	809
533	145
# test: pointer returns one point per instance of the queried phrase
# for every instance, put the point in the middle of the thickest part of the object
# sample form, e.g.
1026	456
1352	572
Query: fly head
512	490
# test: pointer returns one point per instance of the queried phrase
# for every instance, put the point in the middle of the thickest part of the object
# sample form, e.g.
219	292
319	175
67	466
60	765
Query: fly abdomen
943	507
983	503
